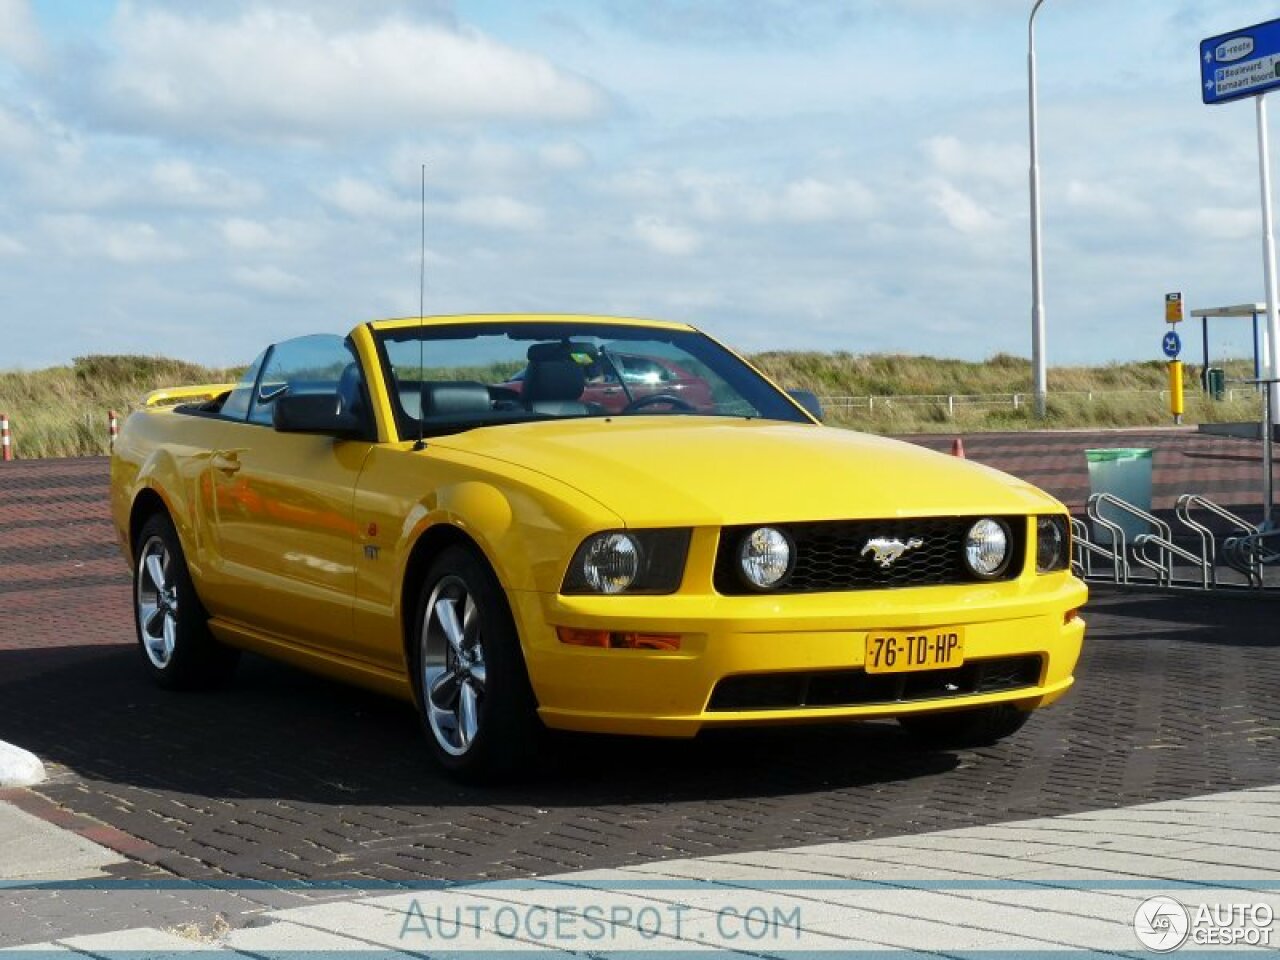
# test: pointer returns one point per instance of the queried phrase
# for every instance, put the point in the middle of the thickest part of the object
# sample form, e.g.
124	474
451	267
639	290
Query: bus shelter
1251	310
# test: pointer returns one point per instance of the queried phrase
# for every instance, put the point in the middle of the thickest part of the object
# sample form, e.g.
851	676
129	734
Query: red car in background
641	377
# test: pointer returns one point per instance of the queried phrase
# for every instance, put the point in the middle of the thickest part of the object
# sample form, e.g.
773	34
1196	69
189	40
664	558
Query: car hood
691	471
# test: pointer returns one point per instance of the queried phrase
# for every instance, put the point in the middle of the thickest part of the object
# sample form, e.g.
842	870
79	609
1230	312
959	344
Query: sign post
1246	63
1171	344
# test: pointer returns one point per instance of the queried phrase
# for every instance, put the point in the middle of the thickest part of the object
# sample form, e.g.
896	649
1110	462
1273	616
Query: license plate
905	651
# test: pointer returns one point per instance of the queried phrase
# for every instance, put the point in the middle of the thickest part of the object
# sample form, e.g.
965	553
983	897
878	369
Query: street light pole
1038	362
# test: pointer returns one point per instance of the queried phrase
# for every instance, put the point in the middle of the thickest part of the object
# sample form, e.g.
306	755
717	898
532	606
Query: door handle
226	462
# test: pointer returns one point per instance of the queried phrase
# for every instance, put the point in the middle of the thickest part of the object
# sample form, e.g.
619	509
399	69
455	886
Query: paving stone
285	776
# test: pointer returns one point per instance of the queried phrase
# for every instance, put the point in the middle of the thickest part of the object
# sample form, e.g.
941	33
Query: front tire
965	729
173	629
474	699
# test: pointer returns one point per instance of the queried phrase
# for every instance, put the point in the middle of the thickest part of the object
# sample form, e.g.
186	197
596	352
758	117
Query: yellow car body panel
303	547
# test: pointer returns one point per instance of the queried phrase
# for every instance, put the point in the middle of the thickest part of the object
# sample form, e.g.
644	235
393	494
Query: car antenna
421	444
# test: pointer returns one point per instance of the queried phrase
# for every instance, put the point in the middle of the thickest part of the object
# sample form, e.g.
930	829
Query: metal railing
950	402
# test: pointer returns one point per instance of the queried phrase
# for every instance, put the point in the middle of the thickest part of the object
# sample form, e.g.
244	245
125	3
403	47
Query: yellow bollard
1175	390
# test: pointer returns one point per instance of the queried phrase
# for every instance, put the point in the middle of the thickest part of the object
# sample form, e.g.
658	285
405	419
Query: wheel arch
430	544
146	502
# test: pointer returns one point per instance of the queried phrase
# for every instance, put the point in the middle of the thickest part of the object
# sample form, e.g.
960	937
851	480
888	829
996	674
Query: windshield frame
781	406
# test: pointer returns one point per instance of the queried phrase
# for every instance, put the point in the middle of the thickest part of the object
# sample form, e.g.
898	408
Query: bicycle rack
1248	552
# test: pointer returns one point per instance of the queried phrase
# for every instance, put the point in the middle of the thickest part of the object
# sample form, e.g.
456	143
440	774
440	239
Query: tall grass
1123	394
62	411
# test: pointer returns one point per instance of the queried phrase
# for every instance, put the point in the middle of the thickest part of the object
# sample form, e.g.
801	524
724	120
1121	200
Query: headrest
557	379
454	397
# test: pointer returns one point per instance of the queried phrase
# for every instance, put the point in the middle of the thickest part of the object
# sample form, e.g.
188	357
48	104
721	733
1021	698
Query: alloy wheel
157	602
453	667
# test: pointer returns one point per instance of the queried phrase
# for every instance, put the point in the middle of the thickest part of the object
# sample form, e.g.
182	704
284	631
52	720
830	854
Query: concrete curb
18	767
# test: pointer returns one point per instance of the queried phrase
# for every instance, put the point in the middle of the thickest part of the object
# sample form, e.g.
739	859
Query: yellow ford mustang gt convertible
583	523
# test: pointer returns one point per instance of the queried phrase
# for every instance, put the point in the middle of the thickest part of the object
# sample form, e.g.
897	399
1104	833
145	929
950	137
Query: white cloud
1004	164
18	135
1105	200
123	241
270	74
268	279
727	197
242	233
811	200
1226	223
20	38
485	165
638	184
180	182
667	238
563	156
503	213
11	246
363	200
962	211
366	201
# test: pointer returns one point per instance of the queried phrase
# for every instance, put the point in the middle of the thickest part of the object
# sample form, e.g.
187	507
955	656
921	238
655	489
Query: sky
197	180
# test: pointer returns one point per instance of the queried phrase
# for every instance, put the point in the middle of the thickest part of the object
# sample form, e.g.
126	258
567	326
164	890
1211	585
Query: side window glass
236	406
317	364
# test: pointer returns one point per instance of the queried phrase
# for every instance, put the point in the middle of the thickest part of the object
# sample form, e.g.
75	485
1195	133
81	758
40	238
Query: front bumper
660	693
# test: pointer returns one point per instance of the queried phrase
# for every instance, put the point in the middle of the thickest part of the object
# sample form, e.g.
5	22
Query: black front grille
856	687
833	556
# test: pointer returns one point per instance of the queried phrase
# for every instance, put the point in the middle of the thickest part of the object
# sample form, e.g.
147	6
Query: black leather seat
453	398
554	381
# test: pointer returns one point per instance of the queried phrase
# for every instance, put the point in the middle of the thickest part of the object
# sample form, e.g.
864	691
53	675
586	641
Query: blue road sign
1242	63
1171	344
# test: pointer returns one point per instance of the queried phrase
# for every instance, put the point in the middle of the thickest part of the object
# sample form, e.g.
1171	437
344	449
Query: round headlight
986	548
765	556
610	562
1051	544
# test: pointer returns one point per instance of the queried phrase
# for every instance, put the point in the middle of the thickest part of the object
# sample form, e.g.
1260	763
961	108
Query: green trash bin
1124	472
1215	382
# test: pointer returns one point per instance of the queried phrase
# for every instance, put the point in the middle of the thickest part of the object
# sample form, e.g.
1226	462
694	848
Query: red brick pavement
63	583
287	776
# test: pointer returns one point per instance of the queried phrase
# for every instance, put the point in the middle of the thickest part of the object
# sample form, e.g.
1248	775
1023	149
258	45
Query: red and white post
6	441
113	425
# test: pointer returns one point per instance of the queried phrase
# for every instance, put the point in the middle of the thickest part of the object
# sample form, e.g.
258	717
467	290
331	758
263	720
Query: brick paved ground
286	776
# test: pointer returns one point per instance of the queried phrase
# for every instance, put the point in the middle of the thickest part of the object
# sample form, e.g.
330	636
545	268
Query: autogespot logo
1161	924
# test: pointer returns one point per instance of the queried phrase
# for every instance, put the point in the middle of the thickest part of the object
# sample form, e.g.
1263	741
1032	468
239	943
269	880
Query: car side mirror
314	413
809	400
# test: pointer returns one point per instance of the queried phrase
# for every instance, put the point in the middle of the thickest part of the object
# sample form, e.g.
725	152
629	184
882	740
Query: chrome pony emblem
886	552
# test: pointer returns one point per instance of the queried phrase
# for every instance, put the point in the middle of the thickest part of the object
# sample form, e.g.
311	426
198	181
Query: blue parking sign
1242	63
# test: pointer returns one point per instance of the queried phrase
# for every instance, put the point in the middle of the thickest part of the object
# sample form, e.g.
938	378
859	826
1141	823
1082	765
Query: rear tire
172	626
961	729
475	703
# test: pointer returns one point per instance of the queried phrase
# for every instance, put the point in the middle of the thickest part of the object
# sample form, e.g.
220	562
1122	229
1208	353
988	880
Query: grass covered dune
62	411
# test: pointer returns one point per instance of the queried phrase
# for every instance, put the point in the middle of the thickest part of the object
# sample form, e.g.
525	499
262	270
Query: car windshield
445	378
